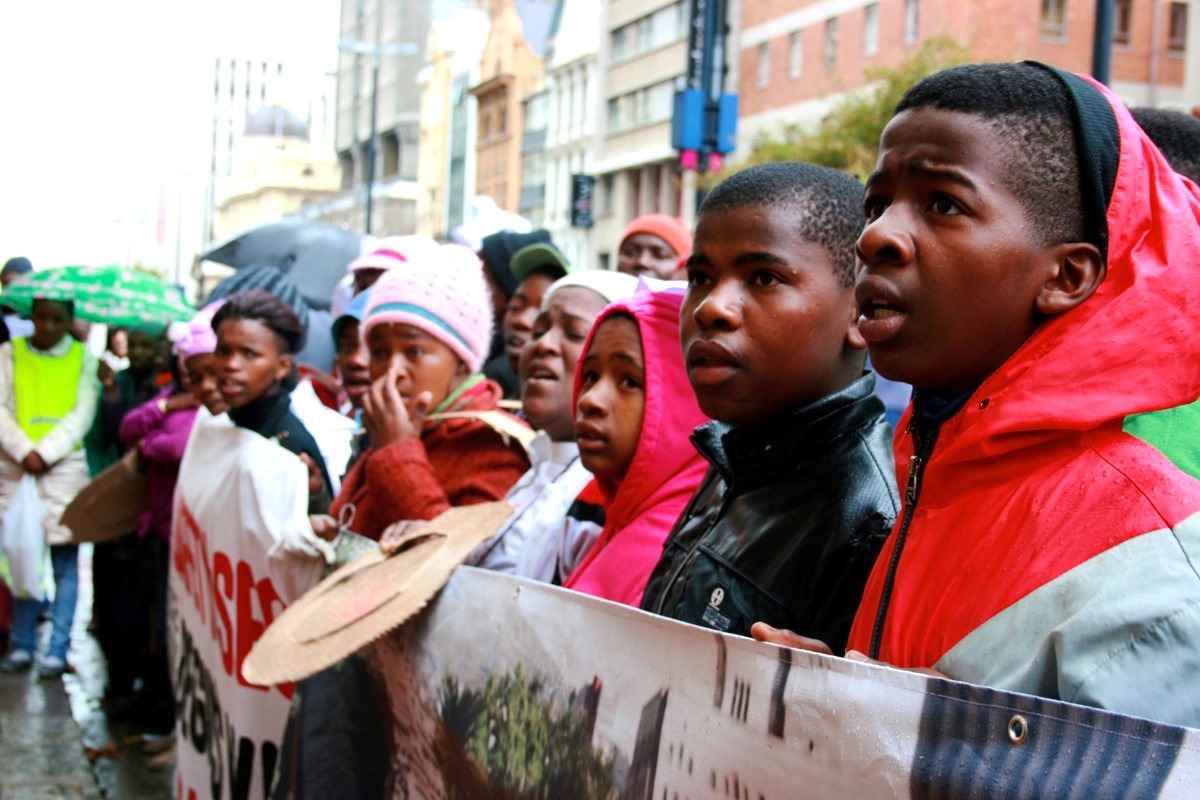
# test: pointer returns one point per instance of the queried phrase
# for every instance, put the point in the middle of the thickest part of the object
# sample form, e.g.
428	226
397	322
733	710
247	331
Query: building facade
571	109
510	70
642	56
275	171
381	50
452	53
795	61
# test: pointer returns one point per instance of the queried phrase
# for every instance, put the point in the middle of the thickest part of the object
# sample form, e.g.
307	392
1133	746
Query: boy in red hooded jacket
1029	264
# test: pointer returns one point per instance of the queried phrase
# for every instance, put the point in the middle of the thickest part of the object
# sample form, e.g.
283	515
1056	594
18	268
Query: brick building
795	57
510	69
643	54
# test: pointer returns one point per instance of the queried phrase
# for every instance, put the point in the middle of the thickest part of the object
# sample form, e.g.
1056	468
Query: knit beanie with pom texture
198	337
394	251
442	293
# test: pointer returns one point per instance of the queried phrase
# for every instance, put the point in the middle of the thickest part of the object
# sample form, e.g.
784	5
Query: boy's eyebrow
741	260
944	173
758	257
930	170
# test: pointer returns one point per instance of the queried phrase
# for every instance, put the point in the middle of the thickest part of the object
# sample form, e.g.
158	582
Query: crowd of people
710	445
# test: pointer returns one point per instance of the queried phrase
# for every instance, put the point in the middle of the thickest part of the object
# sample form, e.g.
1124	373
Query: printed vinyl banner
241	498
505	688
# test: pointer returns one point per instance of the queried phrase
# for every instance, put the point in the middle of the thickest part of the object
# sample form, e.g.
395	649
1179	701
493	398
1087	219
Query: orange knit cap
670	229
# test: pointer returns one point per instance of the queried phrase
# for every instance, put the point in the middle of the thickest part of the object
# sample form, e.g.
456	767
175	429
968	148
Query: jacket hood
665	459
1129	348
666	469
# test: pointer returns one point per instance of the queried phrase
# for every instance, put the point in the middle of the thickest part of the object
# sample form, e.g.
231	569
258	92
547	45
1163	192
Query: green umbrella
112	295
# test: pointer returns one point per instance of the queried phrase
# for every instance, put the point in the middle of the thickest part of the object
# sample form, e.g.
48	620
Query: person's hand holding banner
785	638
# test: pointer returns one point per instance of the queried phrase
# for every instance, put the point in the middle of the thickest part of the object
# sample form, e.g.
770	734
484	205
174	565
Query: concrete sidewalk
41	746
55	741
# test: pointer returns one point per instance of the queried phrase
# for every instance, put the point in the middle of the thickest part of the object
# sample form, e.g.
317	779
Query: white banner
239	543
506	688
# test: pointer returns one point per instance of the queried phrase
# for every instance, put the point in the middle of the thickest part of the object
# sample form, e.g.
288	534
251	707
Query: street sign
583	189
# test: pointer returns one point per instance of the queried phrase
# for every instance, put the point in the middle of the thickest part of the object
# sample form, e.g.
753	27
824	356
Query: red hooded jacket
1048	552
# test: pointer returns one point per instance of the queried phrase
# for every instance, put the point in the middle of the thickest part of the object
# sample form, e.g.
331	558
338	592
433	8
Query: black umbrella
269	280
313	254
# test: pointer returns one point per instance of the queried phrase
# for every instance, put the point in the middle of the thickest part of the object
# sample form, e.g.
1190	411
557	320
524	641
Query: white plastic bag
24	543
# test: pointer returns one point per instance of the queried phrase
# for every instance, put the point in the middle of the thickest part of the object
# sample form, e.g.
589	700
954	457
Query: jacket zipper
916	465
691	552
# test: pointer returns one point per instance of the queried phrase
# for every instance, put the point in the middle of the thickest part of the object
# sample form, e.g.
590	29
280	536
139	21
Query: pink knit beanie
199	337
670	229
394	251
443	293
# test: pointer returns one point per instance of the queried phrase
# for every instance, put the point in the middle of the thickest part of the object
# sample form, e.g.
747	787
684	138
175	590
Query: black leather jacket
787	523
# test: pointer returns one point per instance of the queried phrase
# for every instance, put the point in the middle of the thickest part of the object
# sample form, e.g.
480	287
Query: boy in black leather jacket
801	490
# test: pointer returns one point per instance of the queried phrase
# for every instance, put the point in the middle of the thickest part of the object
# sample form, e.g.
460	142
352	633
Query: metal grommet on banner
1018	729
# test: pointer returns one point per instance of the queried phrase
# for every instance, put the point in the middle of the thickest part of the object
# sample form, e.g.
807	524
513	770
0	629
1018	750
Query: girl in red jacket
427	328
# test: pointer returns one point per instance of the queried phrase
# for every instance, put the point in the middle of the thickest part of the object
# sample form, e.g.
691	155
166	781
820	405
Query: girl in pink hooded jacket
635	411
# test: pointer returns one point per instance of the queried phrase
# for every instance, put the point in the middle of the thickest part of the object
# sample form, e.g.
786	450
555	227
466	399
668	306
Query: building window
912	21
1177	28
537	112
655	103
485	125
615	121
871	30
618	44
645	33
795	55
655	30
763	74
641	107
831	43
1122	21
1053	23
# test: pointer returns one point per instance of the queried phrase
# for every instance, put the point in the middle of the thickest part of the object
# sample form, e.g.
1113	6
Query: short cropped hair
827	204
265	308
1177	136
69	305
1031	109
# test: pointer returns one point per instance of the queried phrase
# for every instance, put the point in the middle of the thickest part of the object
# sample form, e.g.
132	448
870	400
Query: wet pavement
55	741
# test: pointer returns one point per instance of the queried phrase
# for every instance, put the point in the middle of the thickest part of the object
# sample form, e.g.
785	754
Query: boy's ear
283	367
462	371
854	338
1080	268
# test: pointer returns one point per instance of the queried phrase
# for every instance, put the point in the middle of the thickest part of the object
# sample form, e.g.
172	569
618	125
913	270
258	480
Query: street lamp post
376	52
1102	36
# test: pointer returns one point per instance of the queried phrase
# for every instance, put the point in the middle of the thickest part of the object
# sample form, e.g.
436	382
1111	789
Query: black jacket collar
264	415
784	442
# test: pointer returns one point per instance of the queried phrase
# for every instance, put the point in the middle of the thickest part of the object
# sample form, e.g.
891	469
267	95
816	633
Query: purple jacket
164	437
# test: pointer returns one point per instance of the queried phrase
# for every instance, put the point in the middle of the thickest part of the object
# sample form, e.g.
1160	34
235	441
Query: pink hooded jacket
666	469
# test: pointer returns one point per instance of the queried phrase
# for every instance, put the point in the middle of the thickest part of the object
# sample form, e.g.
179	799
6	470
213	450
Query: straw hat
368	597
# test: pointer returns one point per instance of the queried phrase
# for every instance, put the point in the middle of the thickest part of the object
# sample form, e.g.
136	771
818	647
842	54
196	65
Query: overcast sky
101	102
